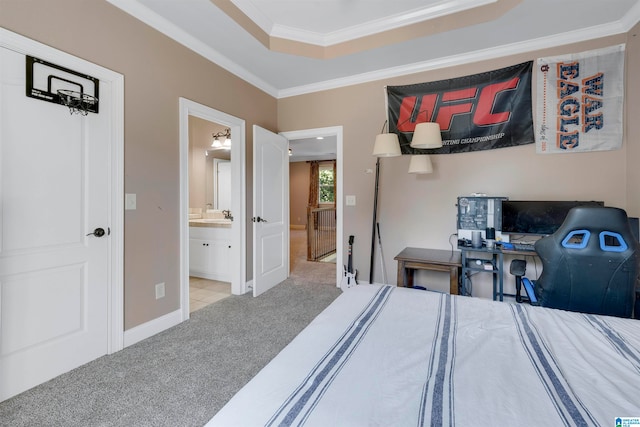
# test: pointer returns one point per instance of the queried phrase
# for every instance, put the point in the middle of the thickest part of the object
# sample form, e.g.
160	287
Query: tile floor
203	292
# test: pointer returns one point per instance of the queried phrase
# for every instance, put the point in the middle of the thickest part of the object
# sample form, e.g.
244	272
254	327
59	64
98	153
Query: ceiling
292	47
313	149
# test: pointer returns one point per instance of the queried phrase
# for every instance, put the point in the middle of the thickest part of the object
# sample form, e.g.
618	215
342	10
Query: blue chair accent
620	247
582	236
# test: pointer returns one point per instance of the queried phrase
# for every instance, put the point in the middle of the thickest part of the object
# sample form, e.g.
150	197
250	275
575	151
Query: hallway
304	271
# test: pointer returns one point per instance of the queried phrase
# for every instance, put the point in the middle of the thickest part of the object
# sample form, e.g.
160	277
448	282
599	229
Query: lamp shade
426	135
386	145
420	164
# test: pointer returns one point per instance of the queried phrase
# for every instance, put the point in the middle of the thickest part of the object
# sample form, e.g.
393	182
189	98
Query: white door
54	181
222	184
270	209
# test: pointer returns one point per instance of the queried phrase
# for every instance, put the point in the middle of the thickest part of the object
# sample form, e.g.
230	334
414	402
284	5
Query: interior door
270	209
54	274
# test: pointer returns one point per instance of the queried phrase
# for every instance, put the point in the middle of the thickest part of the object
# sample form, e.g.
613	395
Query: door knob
258	219
99	232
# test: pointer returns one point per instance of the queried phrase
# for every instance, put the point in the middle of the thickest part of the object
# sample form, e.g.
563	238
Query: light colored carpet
304	271
182	376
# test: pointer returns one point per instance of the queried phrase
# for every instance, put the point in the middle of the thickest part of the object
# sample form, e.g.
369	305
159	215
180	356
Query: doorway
317	144
236	260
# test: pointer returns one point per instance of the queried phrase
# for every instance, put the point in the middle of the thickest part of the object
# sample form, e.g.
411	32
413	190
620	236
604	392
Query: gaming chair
590	264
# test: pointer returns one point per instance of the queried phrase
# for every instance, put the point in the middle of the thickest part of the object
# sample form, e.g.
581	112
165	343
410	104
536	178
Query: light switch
130	201
351	200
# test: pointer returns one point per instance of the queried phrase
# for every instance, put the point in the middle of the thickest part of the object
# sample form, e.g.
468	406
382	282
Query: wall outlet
160	290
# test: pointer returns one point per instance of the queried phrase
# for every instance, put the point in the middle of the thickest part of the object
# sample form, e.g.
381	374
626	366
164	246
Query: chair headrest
596	219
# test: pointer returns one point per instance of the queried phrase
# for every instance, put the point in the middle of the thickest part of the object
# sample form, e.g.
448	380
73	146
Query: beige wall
419	210
414	210
157	71
298	192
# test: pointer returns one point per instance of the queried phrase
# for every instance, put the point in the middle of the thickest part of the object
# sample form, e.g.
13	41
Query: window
326	181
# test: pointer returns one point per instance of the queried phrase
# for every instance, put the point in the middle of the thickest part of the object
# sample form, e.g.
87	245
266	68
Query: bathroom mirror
209	168
218	185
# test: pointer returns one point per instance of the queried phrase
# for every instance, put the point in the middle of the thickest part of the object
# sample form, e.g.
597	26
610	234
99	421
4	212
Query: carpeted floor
182	376
304	271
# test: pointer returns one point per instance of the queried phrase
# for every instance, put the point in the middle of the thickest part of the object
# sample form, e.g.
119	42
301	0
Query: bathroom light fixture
290	152
216	144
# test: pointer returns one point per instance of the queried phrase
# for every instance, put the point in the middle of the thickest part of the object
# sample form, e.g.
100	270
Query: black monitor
537	217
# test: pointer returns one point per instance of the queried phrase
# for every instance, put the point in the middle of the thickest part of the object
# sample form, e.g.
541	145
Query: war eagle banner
580	101
478	112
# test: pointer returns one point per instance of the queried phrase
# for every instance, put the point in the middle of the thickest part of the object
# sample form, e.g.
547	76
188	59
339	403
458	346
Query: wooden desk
411	259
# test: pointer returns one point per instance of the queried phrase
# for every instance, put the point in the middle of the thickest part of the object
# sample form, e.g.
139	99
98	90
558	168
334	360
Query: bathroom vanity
210	249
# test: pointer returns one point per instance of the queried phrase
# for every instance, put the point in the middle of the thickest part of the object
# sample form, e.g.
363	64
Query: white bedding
387	356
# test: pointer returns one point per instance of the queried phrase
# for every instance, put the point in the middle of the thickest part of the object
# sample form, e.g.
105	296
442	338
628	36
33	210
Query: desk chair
590	264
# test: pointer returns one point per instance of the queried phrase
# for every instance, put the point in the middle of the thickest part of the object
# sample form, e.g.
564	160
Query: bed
388	356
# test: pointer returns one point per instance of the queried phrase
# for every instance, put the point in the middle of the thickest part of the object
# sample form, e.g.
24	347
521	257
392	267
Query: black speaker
491	233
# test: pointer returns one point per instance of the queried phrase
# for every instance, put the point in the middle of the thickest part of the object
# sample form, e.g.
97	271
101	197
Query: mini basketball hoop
78	102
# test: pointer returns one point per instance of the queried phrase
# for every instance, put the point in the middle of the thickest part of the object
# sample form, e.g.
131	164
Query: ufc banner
580	98
478	112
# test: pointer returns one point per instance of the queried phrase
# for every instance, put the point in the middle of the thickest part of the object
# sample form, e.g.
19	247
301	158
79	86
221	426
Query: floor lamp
426	136
386	145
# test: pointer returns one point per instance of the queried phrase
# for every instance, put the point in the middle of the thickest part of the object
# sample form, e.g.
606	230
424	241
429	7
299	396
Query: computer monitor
537	217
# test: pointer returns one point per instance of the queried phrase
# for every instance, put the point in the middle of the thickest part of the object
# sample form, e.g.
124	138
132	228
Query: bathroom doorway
210	212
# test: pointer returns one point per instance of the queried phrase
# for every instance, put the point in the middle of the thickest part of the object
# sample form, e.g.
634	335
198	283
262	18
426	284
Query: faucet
227	214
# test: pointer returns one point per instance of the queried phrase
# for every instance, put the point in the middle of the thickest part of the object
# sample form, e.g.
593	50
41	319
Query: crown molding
152	19
470	57
368	28
146	15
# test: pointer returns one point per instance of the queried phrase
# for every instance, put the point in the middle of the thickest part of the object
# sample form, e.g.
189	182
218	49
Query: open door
270	209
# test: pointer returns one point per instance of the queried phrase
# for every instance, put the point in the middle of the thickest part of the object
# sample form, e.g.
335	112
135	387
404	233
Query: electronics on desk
477	213
500	219
537	218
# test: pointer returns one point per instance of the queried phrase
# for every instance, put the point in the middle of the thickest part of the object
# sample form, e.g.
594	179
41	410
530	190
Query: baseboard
149	329
297	226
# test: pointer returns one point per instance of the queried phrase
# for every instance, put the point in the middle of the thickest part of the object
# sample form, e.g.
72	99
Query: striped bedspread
387	356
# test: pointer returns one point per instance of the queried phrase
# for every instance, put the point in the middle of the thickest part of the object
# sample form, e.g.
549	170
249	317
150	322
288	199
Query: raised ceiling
291	47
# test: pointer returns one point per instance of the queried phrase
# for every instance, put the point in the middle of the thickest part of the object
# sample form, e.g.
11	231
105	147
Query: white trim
113	82
376	26
338	133
146	15
149	17
152	327
238	202
457	60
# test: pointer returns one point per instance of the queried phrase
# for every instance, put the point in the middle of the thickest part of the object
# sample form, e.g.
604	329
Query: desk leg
405	275
401	280
453	281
